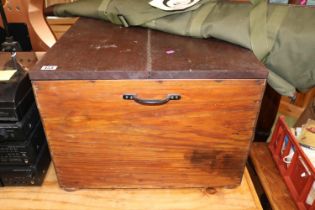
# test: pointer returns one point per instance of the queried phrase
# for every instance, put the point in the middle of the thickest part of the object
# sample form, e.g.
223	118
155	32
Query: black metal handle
151	102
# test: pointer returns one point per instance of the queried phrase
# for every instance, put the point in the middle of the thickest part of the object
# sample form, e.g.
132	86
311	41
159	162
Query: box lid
94	50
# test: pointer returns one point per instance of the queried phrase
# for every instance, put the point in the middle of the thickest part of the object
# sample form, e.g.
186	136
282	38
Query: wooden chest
136	108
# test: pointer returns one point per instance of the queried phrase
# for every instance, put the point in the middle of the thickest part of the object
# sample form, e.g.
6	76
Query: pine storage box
136	108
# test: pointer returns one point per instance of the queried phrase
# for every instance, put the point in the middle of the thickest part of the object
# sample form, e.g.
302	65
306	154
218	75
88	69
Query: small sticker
49	68
170	52
6	75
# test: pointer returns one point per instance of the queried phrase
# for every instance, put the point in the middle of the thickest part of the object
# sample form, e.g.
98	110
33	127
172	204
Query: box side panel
99	140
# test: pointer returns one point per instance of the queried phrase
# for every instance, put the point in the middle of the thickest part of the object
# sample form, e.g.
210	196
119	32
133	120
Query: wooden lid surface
94	50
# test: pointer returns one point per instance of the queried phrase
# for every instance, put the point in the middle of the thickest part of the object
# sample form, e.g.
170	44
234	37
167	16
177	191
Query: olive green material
258	30
281	36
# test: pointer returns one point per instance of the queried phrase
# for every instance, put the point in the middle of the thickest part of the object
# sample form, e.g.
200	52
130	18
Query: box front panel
99	140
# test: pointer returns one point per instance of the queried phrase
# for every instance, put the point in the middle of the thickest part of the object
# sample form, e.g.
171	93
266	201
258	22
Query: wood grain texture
52	2
290	109
61	20
270	178
25	59
99	140
296	108
60	25
50	197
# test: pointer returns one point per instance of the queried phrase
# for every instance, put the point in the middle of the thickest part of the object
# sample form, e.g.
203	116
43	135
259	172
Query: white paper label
173	5
6	75
49	68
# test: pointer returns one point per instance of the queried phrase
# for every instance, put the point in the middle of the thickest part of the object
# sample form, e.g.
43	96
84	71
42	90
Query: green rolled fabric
281	36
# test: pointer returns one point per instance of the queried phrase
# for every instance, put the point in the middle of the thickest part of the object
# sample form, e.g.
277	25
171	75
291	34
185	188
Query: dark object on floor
17	131
16	97
24	155
23	152
26	175
267	115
